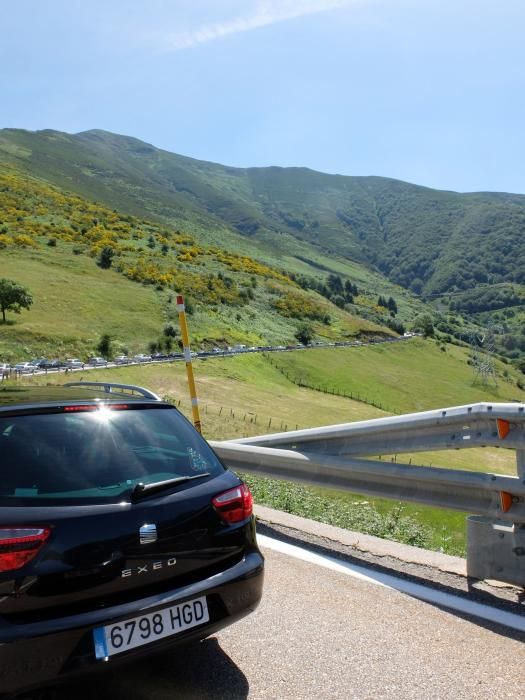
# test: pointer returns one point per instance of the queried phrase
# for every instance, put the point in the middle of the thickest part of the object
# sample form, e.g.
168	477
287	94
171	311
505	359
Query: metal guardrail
342	457
459	427
470	492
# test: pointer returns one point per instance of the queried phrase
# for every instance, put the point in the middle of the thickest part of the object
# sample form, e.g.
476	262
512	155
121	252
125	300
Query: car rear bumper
38	654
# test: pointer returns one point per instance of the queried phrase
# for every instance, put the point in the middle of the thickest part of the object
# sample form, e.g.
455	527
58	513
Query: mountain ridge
127	137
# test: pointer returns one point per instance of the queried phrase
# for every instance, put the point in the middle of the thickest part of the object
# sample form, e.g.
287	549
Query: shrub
304	334
105	258
104	346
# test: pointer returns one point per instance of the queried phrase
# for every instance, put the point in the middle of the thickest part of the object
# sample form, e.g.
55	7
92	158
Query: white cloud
266	12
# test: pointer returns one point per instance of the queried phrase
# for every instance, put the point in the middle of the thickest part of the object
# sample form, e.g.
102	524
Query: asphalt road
321	634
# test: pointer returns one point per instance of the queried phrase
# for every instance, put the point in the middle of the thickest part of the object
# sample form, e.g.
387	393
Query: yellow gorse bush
32	213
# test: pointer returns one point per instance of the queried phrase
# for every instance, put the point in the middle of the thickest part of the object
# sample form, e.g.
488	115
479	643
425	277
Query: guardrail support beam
495	550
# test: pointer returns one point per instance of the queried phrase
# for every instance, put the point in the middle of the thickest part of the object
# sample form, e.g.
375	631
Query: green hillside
462	252
93	270
400	377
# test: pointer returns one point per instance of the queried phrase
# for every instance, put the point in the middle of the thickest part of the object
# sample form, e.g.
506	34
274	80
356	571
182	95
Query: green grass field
74	303
249	395
414	375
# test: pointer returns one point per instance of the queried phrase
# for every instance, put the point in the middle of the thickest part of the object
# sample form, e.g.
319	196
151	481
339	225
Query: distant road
320	634
228	353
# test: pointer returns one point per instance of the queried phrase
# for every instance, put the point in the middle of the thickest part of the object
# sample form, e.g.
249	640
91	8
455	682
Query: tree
304	334
392	305
13	297
170	331
104	346
105	258
335	284
424	324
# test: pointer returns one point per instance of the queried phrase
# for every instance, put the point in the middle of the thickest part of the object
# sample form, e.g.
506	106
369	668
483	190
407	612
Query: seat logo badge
147	534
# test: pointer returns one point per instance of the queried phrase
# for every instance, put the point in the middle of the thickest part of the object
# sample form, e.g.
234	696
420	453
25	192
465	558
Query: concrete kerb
365	543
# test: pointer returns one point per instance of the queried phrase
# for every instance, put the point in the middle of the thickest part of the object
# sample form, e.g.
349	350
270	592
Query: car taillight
18	545
234	505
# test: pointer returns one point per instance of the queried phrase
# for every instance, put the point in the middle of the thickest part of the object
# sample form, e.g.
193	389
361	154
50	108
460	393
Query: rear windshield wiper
143	490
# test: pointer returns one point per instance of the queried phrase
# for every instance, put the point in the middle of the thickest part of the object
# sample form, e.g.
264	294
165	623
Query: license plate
114	639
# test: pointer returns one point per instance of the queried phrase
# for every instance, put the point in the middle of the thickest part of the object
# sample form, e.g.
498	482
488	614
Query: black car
51	364
121	533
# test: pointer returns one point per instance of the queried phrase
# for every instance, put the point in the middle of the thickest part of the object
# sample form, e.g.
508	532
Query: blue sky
428	91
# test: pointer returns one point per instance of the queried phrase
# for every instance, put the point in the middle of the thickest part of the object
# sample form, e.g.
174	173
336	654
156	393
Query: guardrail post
495	550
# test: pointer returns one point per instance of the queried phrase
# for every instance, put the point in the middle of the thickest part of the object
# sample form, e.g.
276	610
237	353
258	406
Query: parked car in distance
51	364
97	362
24	367
74	363
105	584
141	358
37	362
122	360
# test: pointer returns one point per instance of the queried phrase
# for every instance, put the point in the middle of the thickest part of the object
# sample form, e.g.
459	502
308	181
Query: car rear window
86	456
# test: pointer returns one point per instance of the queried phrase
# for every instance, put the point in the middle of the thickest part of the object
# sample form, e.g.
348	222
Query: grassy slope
67	318
247	395
74	303
413	375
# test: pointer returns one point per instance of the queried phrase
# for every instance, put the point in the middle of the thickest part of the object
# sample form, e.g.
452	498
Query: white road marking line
416	590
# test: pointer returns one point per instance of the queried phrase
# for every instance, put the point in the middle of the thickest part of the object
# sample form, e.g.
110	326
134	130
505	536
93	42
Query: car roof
19	396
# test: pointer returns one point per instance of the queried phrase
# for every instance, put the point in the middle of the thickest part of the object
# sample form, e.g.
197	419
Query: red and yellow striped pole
187	358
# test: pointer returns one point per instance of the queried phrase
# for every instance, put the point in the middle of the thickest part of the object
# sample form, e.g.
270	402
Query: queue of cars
39	365
42	364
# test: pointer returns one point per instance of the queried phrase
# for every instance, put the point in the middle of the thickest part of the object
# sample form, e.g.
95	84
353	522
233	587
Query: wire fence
242	423
300	381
